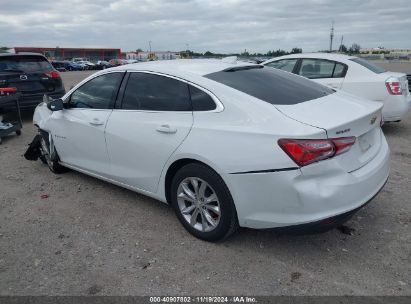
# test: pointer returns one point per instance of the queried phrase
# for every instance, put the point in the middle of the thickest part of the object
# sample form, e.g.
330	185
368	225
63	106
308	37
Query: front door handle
166	129
96	122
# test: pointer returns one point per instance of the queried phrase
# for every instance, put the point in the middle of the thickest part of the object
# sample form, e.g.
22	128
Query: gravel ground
72	234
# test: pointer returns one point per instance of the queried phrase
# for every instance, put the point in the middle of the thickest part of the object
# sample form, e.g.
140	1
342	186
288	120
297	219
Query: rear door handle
96	122
166	129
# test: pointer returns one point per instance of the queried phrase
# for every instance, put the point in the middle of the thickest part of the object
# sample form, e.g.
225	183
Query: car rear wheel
203	203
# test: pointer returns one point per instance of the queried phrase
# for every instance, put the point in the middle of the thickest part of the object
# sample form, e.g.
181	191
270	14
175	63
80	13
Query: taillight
307	151
52	74
393	86
343	144
8	90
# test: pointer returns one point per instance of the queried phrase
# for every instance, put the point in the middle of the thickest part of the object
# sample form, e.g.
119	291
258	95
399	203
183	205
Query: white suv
353	75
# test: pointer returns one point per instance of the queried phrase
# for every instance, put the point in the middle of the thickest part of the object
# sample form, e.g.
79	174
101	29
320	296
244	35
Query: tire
18	132
52	161
211	216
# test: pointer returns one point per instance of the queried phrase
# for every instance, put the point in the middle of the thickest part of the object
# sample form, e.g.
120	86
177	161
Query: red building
59	53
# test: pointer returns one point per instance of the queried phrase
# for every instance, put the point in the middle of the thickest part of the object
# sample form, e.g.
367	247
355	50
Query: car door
283	64
326	72
78	130
153	119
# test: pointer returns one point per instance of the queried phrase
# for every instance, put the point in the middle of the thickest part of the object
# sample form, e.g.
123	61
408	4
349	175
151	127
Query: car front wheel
50	159
203	203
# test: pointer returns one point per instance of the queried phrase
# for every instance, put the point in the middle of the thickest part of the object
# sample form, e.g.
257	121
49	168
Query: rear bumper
307	195
396	107
323	225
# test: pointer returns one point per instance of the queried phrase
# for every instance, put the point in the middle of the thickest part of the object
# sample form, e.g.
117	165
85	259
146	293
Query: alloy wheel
199	204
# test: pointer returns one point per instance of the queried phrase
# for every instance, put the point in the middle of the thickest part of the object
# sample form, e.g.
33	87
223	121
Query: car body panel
238	140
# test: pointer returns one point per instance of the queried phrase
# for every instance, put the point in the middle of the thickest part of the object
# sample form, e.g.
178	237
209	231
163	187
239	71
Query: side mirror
55	105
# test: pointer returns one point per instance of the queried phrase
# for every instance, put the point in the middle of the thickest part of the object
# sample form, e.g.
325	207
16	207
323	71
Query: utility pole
149	45
331	36
341	43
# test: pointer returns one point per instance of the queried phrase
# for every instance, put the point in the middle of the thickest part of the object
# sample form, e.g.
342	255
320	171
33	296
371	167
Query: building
381	52
58	53
155	55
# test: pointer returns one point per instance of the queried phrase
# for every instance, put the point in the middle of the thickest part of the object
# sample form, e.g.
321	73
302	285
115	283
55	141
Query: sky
225	26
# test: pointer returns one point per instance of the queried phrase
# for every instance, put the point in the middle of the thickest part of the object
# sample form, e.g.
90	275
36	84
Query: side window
318	68
151	92
98	93
200	100
339	70
285	64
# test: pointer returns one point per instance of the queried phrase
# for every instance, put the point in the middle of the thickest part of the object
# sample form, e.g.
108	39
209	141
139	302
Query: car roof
330	56
182	67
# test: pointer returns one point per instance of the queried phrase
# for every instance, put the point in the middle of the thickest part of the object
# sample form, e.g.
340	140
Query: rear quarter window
271	85
368	65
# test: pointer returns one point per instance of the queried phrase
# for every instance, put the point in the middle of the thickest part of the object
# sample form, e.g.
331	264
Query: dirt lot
72	234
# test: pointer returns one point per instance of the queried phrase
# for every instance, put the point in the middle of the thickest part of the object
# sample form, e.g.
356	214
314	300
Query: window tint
285	65
271	85
339	70
98	93
200	100
372	67
25	64
155	93
314	68
319	68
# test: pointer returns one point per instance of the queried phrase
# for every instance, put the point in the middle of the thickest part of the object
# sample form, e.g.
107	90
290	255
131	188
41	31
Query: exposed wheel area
203	202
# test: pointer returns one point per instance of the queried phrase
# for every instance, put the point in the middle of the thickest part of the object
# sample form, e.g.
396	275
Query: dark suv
32	75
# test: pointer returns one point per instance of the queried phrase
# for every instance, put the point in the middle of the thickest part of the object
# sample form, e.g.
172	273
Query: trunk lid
343	115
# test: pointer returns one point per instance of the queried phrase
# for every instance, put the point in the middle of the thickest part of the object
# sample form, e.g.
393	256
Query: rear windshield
271	85
372	67
25	64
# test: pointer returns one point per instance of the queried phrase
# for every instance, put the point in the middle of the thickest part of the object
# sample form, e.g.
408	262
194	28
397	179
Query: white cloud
220	26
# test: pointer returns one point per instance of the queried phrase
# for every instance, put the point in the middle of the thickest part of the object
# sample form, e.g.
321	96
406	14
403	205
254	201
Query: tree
354	49
296	51
343	49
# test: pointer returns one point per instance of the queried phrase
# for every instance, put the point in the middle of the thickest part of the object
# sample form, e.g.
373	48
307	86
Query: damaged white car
227	144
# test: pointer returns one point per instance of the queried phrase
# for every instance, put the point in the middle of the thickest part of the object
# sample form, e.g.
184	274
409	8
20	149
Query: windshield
271	85
372	67
25	64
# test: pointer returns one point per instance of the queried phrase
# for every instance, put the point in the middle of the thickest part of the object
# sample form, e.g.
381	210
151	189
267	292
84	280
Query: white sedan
227	144
353	75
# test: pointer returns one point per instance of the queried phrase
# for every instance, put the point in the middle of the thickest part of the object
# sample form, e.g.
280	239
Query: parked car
87	65
82	64
73	66
79	59
226	143
116	62
59	65
33	75
102	64
353	75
